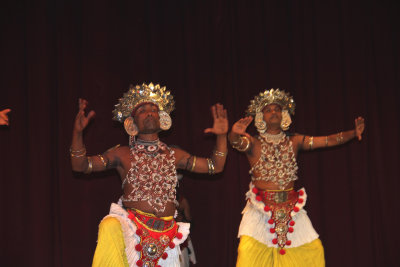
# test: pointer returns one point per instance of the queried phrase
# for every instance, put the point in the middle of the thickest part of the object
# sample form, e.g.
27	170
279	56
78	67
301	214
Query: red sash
155	235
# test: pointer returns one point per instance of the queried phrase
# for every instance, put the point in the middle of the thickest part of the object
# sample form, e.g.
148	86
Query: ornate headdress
143	94
138	95
273	96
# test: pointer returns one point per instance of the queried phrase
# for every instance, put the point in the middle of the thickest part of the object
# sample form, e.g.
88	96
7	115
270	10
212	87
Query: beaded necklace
274	138
149	147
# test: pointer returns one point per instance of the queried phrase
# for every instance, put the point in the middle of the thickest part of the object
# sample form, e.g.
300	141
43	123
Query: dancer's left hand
220	116
359	127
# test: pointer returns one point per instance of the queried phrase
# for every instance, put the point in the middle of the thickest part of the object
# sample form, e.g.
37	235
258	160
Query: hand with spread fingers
359	127
241	125
220	126
82	120
4	117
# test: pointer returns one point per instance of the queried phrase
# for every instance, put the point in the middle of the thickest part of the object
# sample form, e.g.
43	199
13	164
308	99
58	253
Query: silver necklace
151	147
274	138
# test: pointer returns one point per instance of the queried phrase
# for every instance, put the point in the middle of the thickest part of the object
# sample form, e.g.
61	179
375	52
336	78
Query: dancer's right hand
4	117
81	120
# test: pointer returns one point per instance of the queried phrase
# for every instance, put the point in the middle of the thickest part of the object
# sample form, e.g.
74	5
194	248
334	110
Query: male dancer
140	230
275	229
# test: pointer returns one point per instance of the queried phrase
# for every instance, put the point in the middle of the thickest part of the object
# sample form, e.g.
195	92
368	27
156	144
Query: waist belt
278	196
155	234
151	222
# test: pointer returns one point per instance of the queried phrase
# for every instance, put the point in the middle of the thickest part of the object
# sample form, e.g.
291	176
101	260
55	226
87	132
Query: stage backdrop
338	58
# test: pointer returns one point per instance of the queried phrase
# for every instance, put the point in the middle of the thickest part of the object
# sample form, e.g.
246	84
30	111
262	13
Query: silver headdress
141	94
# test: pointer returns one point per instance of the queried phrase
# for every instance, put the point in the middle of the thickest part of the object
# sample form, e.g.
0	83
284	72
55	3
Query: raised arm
87	164
239	138
216	162
79	160
305	142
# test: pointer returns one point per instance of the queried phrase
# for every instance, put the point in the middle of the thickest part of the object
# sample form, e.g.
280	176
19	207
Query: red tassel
272	230
288	243
282	252
266	209
138	247
255	190
296	209
300	200
270	221
292	223
179	235
139	232
275	241
258	198
139	263
301	192
290	230
172	245
164	255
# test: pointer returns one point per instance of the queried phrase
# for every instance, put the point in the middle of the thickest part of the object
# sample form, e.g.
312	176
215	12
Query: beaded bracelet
211	167
90	165
339	138
193	164
102	160
219	153
247	144
311	142
77	153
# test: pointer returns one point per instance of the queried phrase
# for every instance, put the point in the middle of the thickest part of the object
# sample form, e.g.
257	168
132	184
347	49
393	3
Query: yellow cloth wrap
110	250
252	253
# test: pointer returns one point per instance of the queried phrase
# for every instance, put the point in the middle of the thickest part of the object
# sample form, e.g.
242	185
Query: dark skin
4	116
272	115
148	122
185	208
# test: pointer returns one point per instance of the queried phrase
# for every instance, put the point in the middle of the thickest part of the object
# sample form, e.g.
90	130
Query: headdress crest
141	94
273	96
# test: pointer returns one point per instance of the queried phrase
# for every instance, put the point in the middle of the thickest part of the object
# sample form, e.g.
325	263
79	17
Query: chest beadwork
152	176
277	162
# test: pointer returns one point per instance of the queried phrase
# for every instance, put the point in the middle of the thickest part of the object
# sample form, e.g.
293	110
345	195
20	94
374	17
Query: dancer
275	229
140	230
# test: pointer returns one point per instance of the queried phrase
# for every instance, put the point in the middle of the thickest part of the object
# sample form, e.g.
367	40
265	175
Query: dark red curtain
339	59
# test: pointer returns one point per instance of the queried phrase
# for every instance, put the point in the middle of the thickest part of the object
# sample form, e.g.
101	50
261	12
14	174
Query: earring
260	123
130	126
286	120
165	120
